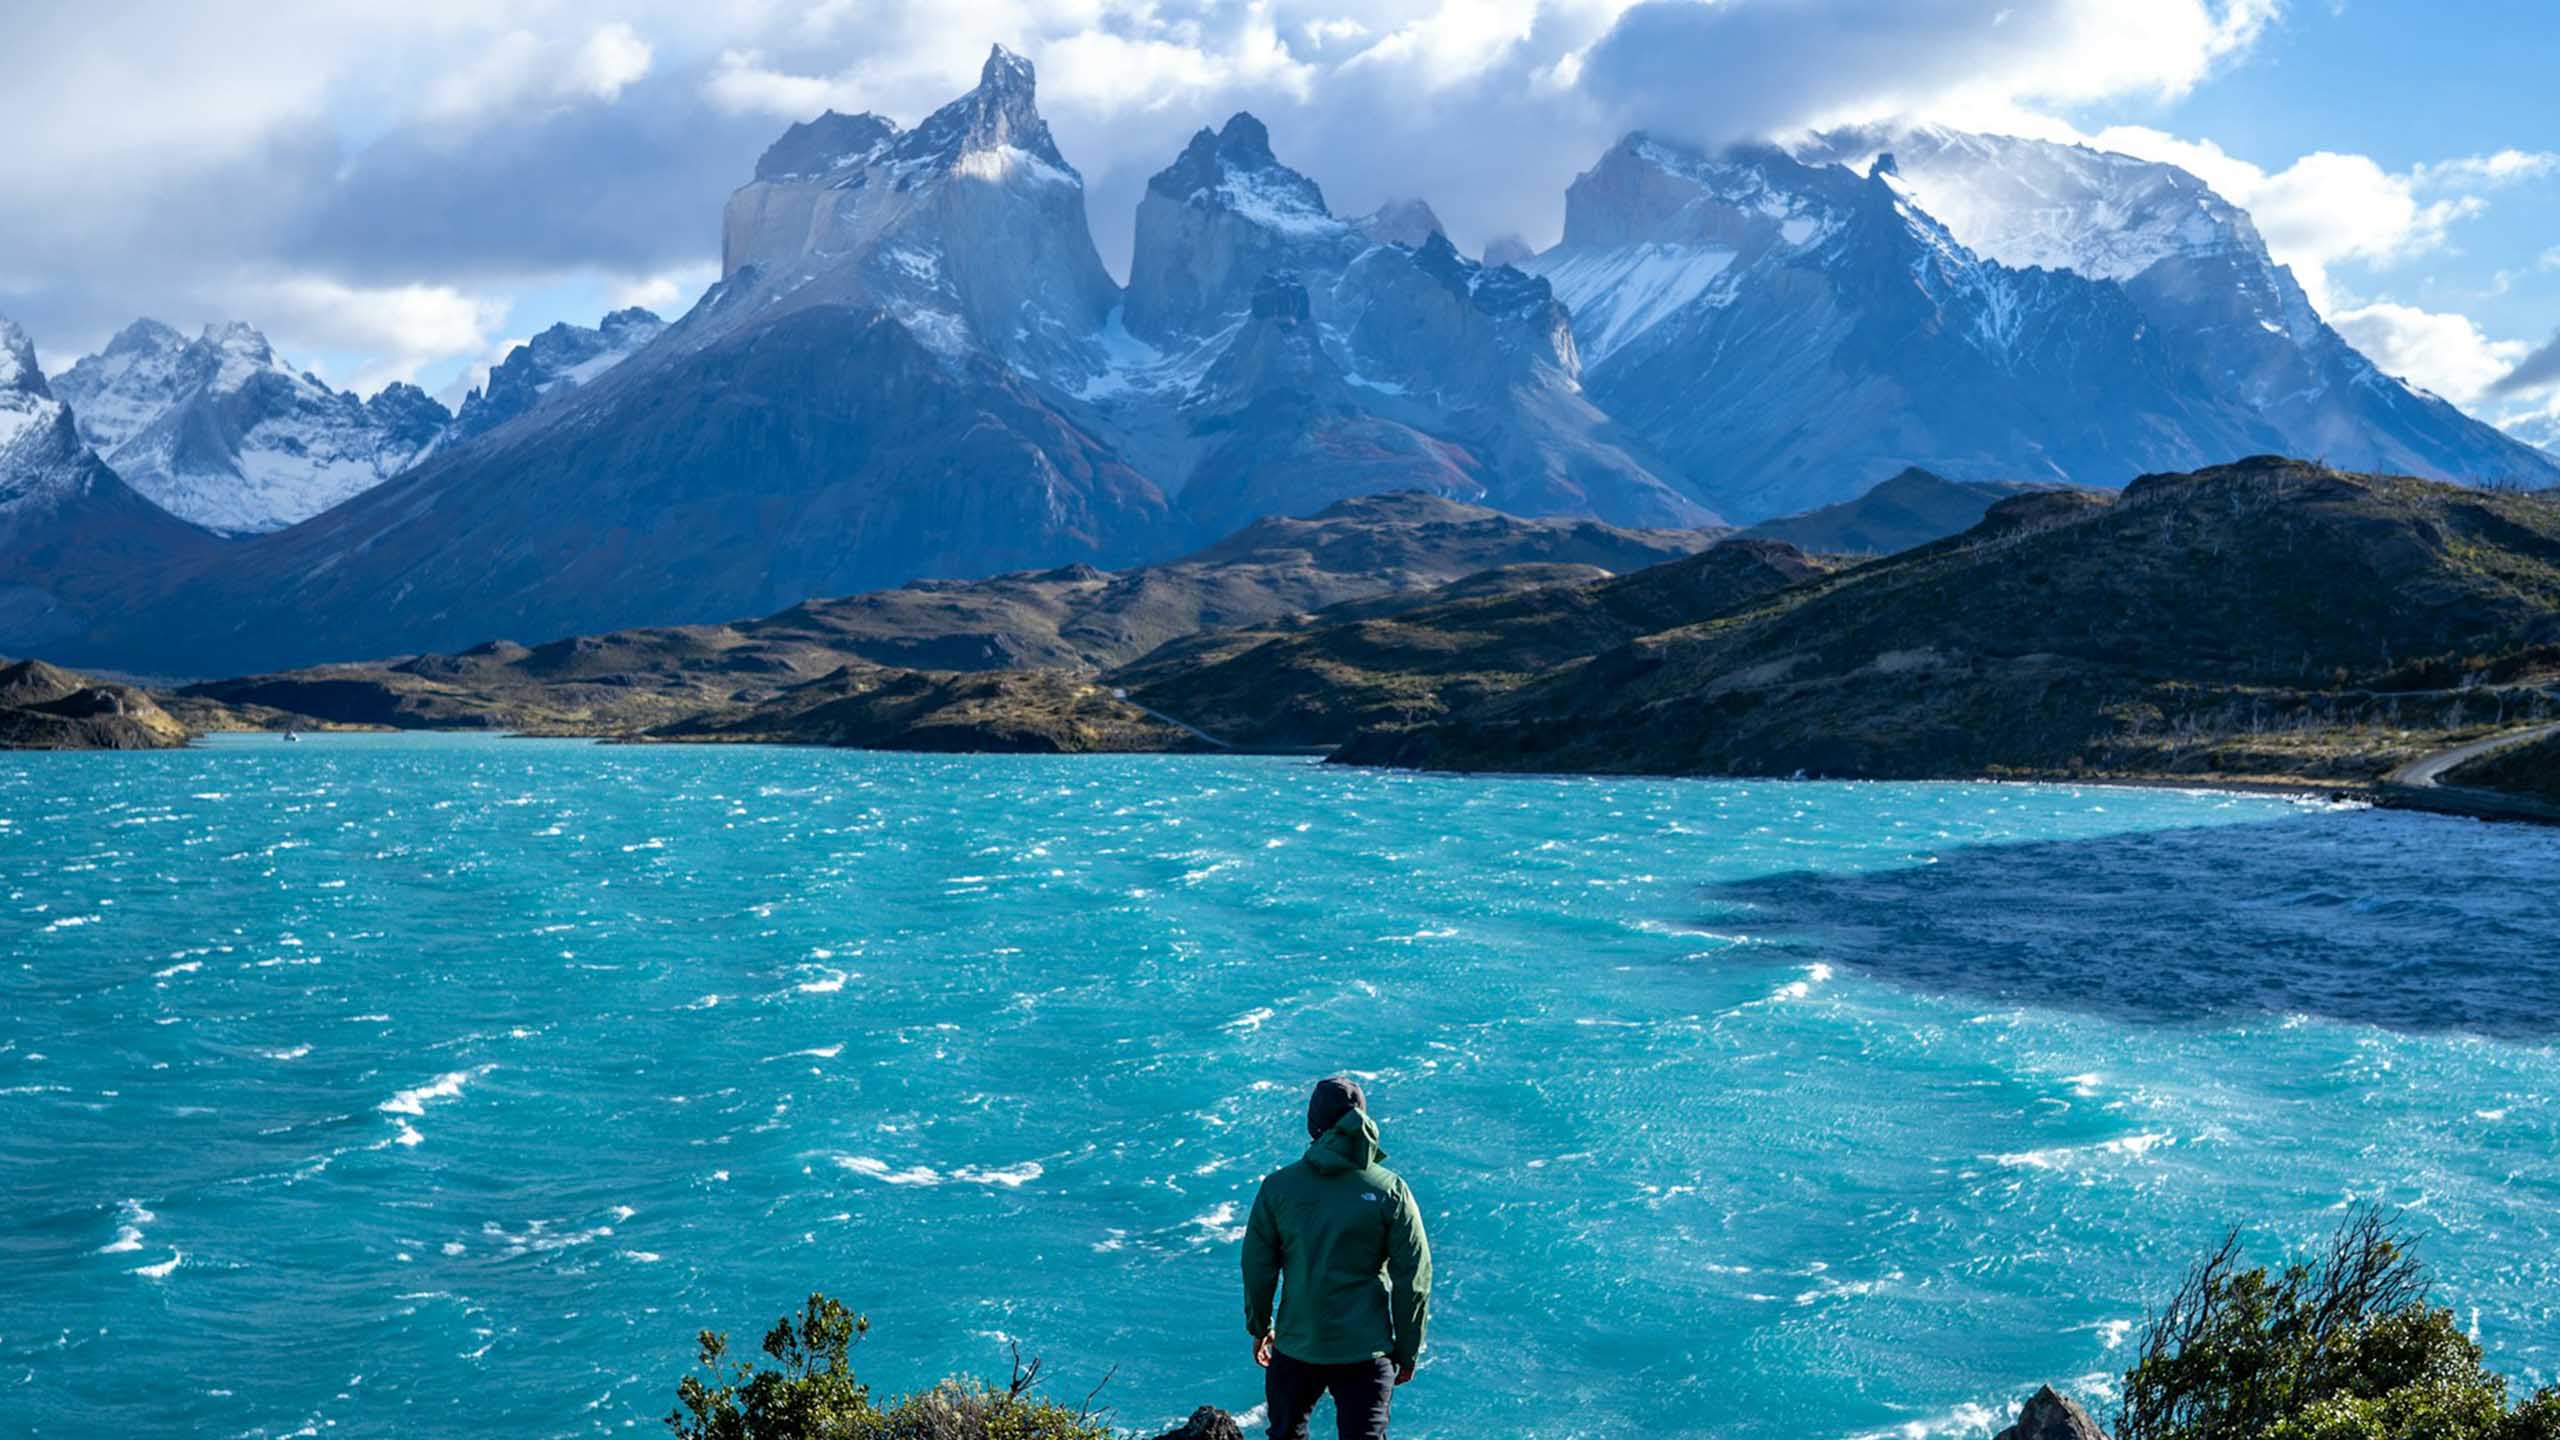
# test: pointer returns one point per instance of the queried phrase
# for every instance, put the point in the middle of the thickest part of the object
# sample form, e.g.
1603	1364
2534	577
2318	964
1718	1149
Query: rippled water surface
431	1086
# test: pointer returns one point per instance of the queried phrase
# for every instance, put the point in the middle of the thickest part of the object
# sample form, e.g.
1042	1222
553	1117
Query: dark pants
1360	1390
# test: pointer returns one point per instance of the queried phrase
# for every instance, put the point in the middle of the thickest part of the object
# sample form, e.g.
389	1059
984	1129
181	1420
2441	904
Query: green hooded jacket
1339	1237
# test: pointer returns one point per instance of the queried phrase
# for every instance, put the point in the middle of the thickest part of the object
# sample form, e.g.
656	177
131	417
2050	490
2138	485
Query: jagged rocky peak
969	230
1647	190
1002	113
18	359
240	339
1656	230
813	149
557	360
1225	213
1508	248
1407	222
26	403
44	466
1436	320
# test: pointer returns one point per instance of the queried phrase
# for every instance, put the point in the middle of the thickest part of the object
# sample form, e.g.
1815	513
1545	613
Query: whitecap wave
415	1099
130	1218
2072	1157
162	1270
1010	1177
1215	1225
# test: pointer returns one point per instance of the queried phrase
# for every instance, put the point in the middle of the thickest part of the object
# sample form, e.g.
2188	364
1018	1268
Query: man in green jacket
1340	1238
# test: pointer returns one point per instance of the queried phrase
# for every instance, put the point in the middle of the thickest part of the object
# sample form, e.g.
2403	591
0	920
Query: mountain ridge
1753	332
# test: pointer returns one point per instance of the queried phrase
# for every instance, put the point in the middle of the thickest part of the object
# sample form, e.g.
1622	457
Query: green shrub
809	1393
2343	1346
960	1410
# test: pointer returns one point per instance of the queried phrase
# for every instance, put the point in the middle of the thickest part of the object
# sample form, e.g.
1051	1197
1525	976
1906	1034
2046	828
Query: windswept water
438	1087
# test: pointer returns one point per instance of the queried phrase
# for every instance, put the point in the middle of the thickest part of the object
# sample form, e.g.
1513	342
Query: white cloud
2325	208
613	57
668	292
2449	354
742	83
521	66
1721	71
403	328
2506	167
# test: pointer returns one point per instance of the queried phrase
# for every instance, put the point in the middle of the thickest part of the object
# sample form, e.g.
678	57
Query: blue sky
2411	83
398	191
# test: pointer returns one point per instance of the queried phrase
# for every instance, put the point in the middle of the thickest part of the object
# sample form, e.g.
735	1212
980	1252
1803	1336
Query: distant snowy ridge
222	433
559	359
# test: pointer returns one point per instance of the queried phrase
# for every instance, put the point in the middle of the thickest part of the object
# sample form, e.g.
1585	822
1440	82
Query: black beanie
1333	1099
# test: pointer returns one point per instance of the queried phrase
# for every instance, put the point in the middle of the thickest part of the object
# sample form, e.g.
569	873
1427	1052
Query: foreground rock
1206	1423
2050	1415
44	707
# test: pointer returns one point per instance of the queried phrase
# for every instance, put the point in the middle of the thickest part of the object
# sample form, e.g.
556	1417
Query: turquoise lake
435	1086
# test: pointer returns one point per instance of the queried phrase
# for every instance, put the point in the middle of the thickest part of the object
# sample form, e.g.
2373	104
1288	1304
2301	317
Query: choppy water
398	1085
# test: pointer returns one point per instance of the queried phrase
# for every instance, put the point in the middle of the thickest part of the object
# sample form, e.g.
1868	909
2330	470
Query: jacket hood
1352	1144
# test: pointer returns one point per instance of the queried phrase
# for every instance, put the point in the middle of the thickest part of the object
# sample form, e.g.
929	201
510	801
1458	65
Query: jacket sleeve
1408	1277
1261	1264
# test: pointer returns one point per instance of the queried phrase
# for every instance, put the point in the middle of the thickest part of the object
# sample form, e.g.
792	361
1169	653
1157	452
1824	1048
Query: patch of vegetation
2341	1346
2531	769
809	1392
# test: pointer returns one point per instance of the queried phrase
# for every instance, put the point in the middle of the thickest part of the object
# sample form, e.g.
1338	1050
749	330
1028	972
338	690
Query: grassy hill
1321	683
2270	617
705	679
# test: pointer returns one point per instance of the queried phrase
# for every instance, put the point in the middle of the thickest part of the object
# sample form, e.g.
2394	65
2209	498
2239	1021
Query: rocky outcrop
44	707
1206	1423
2051	1415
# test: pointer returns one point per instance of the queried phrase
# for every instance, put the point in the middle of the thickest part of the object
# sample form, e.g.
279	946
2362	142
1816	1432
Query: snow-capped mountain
914	365
220	432
1273	357
1789	331
558	360
33	468
2196	265
75	542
